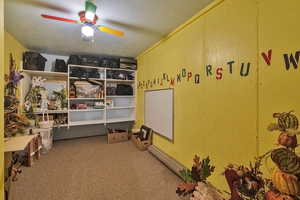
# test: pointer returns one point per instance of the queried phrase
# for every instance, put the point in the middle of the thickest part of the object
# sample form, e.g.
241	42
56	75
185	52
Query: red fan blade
59	19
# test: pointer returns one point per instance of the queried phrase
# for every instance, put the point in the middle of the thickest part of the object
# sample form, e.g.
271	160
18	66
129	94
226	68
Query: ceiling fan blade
90	6
60	19
111	31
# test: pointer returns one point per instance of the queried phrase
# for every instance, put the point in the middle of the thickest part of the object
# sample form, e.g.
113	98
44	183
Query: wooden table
17	143
33	144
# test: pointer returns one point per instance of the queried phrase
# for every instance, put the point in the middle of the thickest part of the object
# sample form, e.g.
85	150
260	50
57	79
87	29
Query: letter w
294	60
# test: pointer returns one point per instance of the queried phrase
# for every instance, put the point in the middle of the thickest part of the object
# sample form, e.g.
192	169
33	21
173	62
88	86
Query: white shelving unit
122	109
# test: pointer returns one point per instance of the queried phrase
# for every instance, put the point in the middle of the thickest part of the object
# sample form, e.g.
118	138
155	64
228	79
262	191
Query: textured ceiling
143	21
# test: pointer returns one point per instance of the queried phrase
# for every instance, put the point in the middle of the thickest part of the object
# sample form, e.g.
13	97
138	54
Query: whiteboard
159	112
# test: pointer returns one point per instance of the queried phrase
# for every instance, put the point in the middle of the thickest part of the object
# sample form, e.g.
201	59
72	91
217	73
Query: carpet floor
91	169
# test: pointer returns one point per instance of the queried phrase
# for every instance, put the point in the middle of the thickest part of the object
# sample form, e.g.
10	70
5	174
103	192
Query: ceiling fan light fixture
87	31
90	16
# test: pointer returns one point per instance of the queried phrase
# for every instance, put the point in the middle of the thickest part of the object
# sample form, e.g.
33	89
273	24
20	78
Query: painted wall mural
291	60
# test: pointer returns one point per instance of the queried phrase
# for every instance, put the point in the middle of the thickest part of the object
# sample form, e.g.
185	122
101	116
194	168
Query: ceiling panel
143	21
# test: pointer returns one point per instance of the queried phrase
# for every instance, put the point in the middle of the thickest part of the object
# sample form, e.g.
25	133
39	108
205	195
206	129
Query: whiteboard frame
171	140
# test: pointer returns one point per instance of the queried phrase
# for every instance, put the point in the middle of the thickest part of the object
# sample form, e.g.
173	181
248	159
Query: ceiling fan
88	20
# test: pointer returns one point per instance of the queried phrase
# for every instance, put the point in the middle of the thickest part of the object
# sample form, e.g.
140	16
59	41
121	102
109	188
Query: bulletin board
159	112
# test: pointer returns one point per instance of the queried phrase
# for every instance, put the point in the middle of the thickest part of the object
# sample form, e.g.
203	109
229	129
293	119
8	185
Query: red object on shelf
81	106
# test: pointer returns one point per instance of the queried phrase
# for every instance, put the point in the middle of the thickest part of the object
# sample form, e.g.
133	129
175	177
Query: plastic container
47	138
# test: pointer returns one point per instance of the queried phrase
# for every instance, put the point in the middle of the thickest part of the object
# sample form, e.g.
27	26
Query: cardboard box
117	137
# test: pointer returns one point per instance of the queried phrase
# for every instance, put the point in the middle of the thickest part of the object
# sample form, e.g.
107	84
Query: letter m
294	60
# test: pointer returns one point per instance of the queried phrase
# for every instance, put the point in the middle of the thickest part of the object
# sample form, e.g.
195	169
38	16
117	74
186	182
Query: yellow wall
10	45
1	96
15	47
226	119
279	88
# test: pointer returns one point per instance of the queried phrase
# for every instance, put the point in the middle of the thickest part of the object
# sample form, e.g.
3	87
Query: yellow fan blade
111	31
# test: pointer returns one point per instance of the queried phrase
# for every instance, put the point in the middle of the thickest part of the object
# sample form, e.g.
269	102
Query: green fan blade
90	6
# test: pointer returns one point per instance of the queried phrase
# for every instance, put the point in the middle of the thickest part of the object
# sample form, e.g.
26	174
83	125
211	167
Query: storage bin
47	138
85	89
117	136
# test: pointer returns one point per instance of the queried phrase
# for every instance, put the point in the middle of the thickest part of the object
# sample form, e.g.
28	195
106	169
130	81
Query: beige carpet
90	169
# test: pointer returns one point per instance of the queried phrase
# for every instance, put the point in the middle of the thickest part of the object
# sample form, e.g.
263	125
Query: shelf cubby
122	108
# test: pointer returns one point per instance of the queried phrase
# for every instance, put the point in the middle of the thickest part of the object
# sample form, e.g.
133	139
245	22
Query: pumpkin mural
286	121
286	160
285	176
287	140
277	196
248	183
285	183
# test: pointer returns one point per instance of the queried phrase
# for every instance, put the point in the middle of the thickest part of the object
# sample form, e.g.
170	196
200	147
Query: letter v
268	57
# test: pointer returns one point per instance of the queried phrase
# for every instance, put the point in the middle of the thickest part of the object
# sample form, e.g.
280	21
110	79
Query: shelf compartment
87	110
51	112
95	79
131	96
88	67
60	125
46	74
95	115
87	122
123	102
116	120
120	69
118	114
120	81
102	68
118	108
82	99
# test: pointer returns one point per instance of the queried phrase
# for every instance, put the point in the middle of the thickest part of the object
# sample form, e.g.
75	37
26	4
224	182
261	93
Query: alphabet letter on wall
294	60
219	73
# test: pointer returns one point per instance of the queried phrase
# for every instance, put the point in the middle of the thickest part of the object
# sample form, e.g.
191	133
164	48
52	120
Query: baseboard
172	164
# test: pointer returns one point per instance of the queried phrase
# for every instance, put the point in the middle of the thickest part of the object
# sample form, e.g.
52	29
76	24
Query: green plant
186	175
201	170
62	97
30	114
